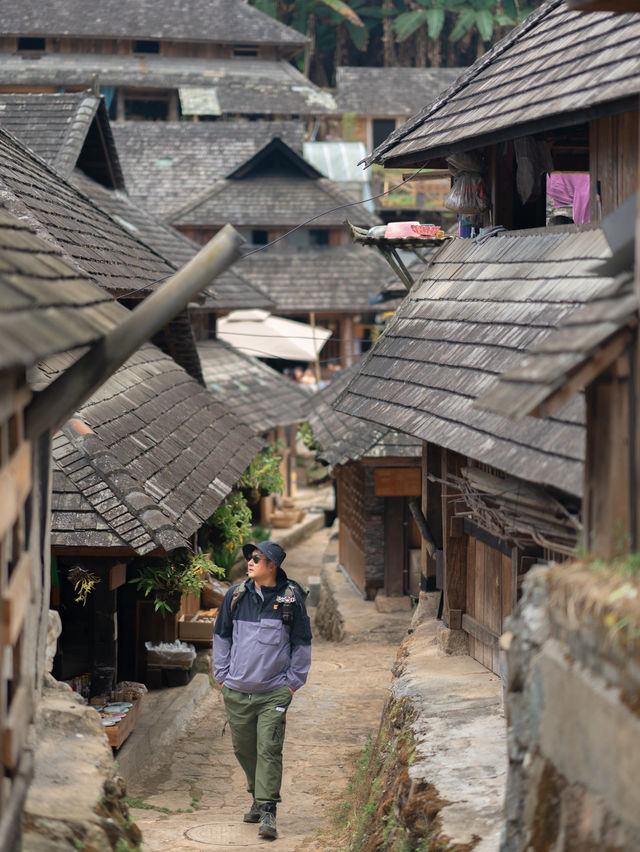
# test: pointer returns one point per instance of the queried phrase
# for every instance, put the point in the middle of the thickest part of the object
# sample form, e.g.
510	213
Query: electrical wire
297	227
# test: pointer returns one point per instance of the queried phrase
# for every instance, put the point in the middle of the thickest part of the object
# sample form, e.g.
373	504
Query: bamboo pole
50	408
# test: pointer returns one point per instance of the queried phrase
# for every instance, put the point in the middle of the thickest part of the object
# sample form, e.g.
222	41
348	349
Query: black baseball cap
271	550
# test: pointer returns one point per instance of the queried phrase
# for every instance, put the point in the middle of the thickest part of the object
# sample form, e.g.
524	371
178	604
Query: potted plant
168	579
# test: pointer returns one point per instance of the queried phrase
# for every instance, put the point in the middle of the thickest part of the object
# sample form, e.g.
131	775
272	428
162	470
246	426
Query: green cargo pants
257	724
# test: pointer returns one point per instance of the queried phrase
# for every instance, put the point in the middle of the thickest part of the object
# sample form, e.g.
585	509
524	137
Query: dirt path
329	719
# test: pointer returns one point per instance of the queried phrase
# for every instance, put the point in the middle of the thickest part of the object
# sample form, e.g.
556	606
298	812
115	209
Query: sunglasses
255	557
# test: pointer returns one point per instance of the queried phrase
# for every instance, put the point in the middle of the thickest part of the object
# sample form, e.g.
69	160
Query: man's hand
291	691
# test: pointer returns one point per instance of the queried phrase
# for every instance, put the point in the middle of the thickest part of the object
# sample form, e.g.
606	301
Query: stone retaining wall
573	706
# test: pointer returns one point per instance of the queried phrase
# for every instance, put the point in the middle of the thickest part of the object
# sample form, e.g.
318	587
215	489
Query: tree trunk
388	37
310	47
422	41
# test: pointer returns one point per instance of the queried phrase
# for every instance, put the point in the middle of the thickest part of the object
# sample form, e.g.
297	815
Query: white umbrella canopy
263	335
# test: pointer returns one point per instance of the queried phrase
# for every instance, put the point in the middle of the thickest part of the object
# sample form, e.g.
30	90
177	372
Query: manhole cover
225	835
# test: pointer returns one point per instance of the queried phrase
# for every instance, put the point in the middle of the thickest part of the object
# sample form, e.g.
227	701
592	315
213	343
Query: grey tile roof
338	279
345	438
556	69
475	312
91	241
390	91
175	439
166	164
549	366
48	306
239	86
276	200
259	396
54	125
96	503
191	20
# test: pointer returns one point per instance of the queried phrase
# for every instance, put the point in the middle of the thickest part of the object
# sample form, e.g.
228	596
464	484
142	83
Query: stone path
329	720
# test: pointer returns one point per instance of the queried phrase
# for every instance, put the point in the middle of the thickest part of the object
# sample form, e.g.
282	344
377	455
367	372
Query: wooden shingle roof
221	21
206	86
166	164
390	91
475	312
345	438
592	332
91	241
275	200
558	68
48	306
338	279
96	503
61	127
258	395
178	441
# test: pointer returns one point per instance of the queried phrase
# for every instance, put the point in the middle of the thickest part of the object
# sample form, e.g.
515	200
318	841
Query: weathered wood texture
558	67
398	482
351	535
489	600
455	543
585	344
258	395
180	445
344	438
613	160
475	312
395	547
611	499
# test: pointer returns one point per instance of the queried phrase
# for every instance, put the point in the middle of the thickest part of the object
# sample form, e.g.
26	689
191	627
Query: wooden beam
479	631
397	482
17	726
454	540
15	600
15	485
590	369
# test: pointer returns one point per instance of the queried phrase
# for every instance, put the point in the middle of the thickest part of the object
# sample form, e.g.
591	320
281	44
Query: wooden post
432	506
455	544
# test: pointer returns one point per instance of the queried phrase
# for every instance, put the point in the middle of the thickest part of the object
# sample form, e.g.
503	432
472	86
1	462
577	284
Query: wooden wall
351	536
22	594
490	593
613	144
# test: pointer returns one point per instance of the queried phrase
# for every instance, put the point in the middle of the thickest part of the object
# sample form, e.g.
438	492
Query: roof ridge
480	64
76	134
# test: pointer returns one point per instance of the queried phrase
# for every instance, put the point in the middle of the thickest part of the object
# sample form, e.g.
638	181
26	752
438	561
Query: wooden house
496	495
558	93
155	418
313	271
222	59
73	134
377	475
48	306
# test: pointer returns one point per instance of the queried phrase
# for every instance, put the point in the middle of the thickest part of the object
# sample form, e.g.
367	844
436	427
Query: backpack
287	601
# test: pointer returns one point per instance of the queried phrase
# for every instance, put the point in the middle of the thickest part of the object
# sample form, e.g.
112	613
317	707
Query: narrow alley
193	796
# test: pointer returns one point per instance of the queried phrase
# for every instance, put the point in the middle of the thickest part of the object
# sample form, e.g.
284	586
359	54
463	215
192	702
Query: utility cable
297	227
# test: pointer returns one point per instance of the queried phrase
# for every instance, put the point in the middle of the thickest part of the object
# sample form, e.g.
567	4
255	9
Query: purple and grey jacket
253	651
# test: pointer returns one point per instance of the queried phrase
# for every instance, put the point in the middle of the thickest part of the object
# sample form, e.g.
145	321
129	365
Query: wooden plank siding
351	537
17	673
490	596
613	143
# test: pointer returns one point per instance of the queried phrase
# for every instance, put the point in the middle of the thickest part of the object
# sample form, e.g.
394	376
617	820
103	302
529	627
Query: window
146	47
33	44
381	128
245	50
259	237
318	237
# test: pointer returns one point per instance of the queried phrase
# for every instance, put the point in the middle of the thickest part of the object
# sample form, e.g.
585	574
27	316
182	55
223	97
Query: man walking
261	656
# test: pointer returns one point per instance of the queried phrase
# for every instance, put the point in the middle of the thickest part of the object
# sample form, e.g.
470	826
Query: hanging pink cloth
571	190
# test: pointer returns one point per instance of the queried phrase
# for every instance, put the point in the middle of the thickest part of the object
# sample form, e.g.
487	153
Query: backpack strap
303	590
238	592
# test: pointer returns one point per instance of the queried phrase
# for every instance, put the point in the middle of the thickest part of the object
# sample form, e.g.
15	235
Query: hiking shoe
253	814
267	828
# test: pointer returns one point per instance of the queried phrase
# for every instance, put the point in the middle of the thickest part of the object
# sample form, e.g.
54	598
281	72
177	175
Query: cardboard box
192	628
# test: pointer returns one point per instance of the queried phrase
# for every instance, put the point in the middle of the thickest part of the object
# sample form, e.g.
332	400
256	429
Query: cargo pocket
269	631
